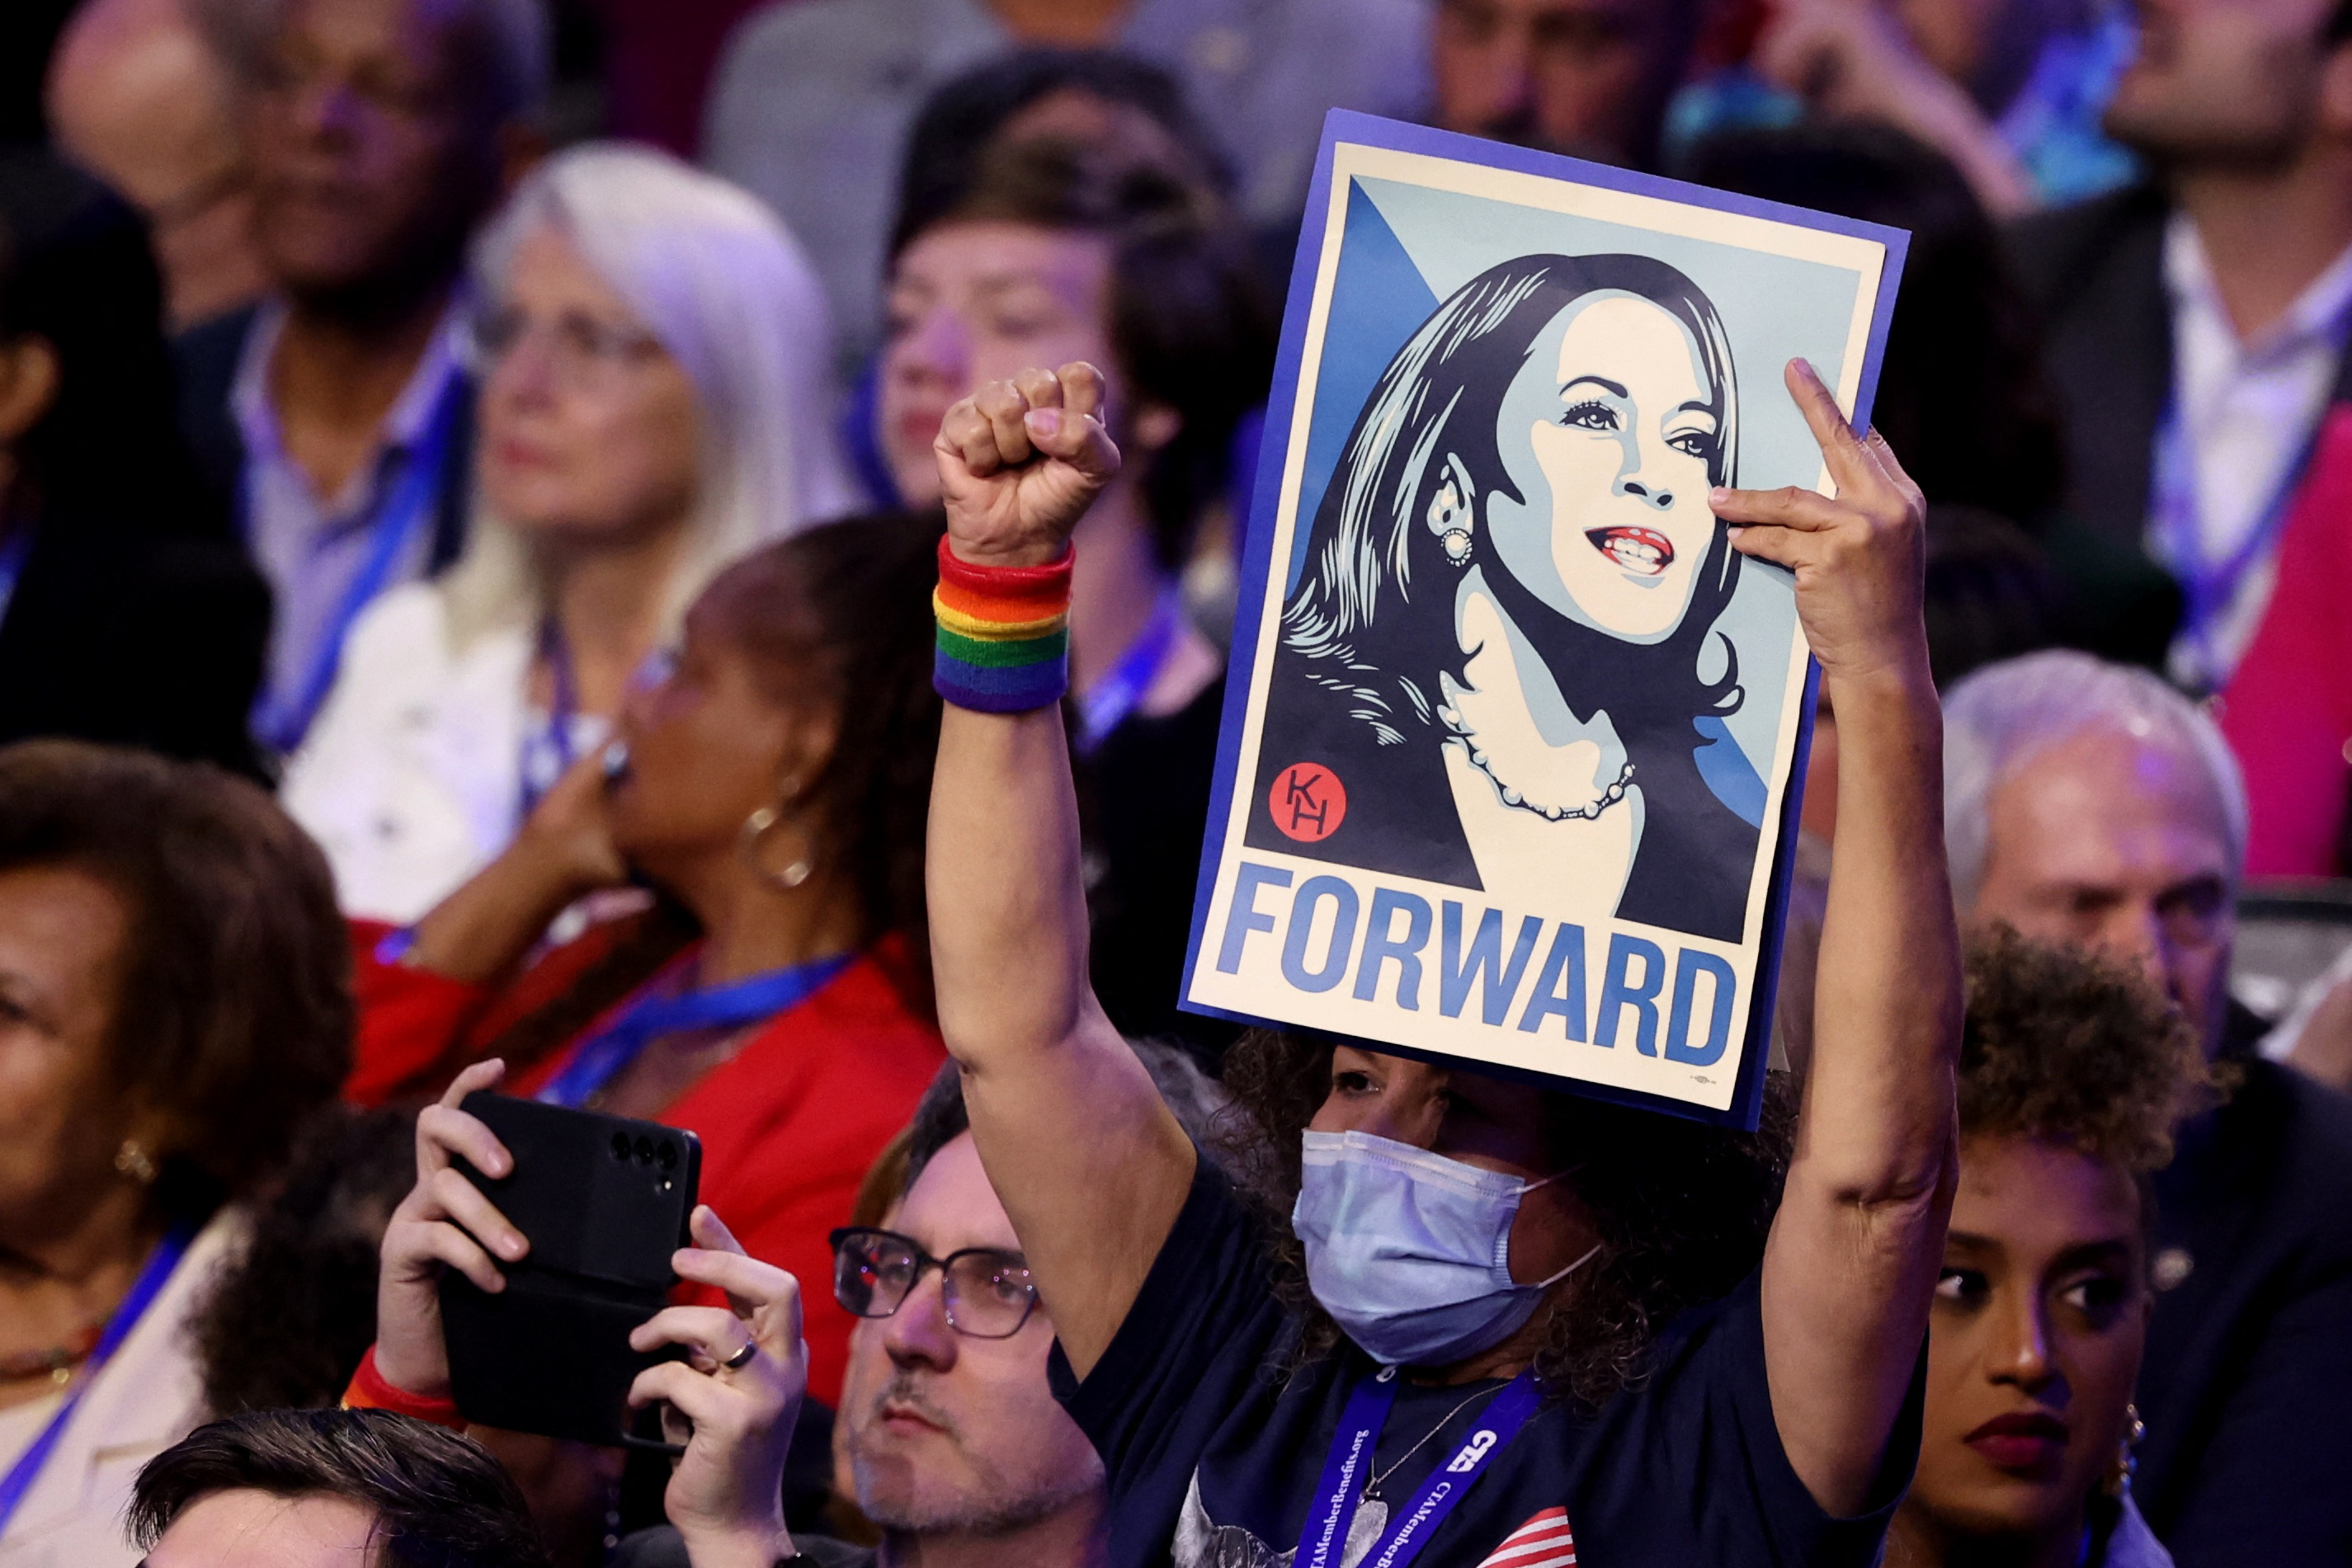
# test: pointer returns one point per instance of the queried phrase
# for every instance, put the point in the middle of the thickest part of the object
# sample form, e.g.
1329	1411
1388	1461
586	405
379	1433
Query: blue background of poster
1386	283
1409	246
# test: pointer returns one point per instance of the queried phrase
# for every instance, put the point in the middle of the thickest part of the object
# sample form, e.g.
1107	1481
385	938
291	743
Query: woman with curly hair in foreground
2073	1074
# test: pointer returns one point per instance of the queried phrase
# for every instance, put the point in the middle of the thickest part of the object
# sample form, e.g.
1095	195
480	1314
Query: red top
2287	710
789	1124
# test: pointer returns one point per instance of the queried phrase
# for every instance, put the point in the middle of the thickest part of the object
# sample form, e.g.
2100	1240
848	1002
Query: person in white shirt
653	347
2198	323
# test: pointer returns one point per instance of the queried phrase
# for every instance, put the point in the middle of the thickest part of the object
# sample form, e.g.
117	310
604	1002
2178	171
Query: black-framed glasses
986	1290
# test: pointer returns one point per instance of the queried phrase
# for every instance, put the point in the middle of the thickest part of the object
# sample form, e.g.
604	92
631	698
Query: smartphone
604	1201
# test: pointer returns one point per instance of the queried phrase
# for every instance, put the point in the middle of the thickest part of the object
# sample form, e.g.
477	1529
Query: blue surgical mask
1409	1251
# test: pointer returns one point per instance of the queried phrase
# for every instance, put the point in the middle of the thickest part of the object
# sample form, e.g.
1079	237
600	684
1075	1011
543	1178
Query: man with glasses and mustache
948	1438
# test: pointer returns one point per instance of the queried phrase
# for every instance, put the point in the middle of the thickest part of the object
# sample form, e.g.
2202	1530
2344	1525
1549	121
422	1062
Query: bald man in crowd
139	94
2090	803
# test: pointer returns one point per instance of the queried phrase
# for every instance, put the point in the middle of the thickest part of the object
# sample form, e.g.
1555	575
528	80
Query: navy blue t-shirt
1214	1442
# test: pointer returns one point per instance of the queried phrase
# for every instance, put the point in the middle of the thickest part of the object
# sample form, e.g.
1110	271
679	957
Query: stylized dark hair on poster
1504	637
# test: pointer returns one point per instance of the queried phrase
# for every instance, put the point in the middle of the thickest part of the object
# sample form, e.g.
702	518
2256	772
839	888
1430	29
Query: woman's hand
563	851
444	1222
726	1494
1860	559
1020	462
567	836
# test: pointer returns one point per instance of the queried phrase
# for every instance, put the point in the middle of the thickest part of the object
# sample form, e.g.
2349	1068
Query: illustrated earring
1452	509
134	1161
2126	1462
768	820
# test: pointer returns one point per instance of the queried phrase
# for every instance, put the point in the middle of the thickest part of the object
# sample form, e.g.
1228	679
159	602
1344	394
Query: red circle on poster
1307	802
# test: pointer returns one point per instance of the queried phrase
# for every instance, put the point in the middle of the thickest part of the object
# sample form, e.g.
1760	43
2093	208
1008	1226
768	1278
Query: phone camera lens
668	1154
621	1146
645	1150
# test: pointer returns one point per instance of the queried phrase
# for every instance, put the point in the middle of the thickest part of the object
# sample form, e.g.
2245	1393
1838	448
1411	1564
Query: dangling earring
1452	509
2127	1464
134	1161
766	821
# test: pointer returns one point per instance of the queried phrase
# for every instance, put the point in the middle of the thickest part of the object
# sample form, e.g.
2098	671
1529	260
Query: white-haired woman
653	347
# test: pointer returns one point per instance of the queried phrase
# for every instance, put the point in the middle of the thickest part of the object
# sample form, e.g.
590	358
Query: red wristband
1051	580
370	1391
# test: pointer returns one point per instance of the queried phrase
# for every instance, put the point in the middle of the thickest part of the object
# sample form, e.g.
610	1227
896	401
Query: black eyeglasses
986	1290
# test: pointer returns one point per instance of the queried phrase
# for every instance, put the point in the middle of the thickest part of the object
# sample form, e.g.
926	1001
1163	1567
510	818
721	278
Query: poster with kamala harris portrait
1513	740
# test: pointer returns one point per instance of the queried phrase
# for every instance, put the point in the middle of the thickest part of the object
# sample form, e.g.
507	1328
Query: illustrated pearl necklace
1518	801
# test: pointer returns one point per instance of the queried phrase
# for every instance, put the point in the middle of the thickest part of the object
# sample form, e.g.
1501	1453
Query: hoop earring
757	827
135	1162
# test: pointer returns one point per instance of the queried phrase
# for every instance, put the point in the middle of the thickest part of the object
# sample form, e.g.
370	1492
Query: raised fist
1020	462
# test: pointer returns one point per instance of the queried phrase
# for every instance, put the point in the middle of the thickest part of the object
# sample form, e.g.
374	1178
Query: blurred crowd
470	498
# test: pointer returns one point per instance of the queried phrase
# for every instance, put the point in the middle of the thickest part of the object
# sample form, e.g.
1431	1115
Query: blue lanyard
1410	1528
282	718
603	1054
1114	696
150	1284
12	551
2209	585
553	743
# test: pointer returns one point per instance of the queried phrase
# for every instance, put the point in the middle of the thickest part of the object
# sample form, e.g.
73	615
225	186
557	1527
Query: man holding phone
740	1387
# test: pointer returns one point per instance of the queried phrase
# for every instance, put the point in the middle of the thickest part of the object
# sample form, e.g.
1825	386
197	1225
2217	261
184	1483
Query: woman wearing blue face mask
1467	1320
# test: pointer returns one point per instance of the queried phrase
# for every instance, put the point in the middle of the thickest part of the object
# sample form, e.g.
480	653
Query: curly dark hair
2069	1048
1683	1207
284	1325
234	1010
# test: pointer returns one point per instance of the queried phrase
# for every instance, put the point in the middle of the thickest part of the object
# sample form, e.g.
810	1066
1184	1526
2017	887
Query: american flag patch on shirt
1543	1541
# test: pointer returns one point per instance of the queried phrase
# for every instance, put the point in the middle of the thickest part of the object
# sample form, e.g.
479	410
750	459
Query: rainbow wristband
1004	635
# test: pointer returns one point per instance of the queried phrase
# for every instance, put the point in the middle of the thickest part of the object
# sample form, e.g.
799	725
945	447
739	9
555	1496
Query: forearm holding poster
1513	771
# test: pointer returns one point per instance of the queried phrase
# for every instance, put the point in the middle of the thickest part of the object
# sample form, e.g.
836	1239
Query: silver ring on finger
741	1358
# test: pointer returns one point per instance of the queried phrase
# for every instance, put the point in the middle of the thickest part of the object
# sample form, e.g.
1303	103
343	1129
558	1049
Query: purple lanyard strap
152	1278
1338	1494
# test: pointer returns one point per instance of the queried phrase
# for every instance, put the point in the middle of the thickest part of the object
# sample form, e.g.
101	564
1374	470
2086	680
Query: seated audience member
1128	109
125	617
949	1441
139	93
2198	331
177	999
285	1324
329	1488
337	415
1962	394
1588	78
1638	1322
1051	253
652	347
739	1396
2072	1076
2092	804
810	106
772	791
